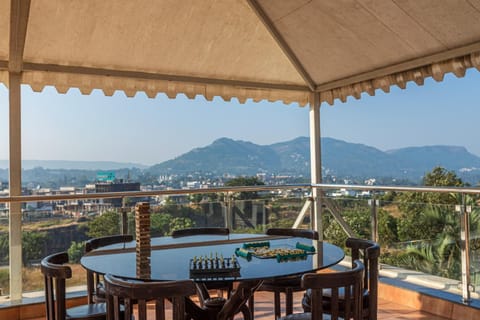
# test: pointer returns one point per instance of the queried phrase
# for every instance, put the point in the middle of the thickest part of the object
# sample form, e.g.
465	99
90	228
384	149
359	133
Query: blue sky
148	131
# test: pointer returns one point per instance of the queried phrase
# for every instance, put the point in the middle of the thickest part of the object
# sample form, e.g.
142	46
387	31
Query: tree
32	246
160	224
245	181
414	225
357	217
76	251
180	223
105	224
387	228
442	178
4	248
440	254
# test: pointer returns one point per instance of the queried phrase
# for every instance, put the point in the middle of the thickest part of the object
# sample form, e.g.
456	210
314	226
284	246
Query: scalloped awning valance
245	49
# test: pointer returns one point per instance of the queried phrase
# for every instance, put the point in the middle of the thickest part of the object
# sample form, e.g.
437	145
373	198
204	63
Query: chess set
262	250
213	267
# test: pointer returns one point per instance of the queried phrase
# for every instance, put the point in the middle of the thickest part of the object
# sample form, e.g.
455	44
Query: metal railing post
228	214
312	212
124	219
465	247
374	217
317	211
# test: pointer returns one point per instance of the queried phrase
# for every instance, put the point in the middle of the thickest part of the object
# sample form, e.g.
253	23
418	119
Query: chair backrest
370	251
125	292
93	279
347	284
96	243
55	275
301	233
199	231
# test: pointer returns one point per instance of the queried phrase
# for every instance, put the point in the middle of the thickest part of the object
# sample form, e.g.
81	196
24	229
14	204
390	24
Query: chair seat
99	293
305	316
327	293
286	285
142	292
281	284
89	311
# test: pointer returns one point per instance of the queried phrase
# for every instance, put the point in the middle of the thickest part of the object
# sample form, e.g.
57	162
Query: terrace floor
387	310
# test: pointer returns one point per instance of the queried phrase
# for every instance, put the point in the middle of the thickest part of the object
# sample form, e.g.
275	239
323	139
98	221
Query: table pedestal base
225	309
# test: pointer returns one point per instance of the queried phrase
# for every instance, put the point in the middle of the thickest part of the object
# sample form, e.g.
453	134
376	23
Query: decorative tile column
143	246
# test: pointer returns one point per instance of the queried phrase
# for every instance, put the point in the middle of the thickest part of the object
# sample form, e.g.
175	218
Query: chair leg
246	312
251	305
288	301
277	304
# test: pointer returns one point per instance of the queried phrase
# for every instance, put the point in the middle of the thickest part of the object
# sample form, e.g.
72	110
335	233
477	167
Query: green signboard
105	176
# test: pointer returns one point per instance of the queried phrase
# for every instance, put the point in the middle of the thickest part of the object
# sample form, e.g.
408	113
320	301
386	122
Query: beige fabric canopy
259	49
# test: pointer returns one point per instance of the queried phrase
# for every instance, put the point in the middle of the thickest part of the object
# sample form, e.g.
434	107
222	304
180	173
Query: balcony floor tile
387	310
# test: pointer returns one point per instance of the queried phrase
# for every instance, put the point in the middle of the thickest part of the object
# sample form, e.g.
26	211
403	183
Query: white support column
316	161
15	183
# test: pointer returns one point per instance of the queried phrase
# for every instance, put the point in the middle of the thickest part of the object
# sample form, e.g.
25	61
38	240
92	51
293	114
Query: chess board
214	267
263	250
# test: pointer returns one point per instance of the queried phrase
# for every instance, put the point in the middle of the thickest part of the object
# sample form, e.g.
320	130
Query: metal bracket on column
303	212
335	211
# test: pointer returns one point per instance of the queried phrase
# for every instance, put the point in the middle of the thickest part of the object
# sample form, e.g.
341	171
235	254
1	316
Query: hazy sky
148	131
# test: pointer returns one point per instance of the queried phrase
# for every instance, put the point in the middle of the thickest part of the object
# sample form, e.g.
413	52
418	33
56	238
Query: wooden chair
346	284
120	292
200	231
55	274
287	285
370	251
95	287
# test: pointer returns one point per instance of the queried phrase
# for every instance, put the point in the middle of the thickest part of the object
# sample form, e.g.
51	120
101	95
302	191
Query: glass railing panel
355	212
414	234
276	209
4	262
4	134
245	212
416	231
475	247
421	236
188	211
56	226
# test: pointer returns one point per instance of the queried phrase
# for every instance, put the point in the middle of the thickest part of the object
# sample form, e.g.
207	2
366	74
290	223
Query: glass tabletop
171	258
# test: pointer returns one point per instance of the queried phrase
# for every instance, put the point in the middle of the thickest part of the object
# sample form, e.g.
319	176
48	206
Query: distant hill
223	155
339	158
226	156
446	156
76	165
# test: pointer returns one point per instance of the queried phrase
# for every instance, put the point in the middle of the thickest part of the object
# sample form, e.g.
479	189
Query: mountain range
339	158
226	156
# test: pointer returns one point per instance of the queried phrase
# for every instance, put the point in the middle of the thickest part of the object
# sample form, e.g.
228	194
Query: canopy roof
259	49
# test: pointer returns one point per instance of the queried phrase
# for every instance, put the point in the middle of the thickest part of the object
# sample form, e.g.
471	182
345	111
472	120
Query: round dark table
169	259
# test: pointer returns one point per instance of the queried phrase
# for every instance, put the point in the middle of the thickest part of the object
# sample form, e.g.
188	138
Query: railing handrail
467	190
323	186
132	194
